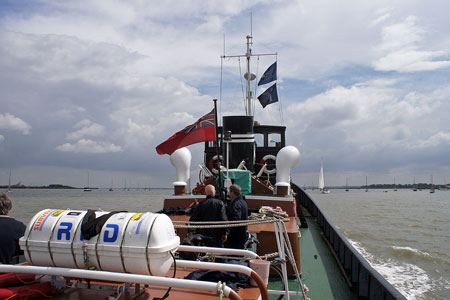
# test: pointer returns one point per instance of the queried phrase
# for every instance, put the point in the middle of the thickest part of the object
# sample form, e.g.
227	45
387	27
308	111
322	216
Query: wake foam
412	281
412	253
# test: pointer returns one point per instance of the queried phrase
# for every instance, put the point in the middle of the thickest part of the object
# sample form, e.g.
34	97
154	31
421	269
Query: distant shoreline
50	186
67	187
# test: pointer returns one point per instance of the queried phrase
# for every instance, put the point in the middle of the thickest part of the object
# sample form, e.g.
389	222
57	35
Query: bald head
210	190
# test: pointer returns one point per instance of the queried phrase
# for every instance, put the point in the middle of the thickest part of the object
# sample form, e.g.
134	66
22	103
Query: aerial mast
249	77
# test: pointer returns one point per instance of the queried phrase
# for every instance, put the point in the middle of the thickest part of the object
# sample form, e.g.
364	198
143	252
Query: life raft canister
129	242
264	160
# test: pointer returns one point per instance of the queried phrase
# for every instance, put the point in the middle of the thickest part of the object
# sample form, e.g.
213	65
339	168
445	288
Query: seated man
211	209
237	210
11	231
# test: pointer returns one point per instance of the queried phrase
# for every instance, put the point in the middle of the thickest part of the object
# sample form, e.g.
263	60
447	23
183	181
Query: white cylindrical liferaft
128	242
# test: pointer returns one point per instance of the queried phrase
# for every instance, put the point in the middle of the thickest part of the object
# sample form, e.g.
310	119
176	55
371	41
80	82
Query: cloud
85	128
92	82
374	120
11	122
401	47
89	146
438	139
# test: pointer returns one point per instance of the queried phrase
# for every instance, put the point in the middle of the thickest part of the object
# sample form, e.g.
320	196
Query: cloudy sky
95	86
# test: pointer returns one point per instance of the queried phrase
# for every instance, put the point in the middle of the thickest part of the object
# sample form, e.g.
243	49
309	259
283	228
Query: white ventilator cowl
287	158
181	160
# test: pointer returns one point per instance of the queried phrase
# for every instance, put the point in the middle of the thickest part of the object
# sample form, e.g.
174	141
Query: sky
92	87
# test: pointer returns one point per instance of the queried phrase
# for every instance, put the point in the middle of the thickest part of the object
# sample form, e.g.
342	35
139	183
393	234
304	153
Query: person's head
5	204
235	191
210	190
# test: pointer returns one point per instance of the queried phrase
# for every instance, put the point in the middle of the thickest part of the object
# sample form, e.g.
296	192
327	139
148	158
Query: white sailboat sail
321	179
322	186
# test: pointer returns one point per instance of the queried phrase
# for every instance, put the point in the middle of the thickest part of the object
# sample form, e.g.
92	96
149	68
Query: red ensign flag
200	131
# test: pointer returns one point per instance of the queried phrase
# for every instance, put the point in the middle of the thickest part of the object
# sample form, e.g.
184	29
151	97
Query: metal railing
369	284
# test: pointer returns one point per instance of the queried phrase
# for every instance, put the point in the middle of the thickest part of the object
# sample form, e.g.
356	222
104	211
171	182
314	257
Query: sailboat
367	188
432	188
111	188
395	186
346	184
323	189
9	182
414	185
87	188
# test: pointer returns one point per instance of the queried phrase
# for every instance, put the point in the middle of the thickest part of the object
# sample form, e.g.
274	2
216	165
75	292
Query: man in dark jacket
11	231
211	209
237	210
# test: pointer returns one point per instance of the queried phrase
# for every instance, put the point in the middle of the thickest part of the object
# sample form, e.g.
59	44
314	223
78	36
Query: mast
9	182
249	77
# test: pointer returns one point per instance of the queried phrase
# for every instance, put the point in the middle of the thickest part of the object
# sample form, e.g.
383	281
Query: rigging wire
280	106
220	90
256	86
242	85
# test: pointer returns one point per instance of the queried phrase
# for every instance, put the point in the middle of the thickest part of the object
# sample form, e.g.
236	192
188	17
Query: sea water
405	235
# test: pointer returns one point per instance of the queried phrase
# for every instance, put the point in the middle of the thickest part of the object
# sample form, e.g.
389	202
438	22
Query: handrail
229	268
120	277
368	282
216	250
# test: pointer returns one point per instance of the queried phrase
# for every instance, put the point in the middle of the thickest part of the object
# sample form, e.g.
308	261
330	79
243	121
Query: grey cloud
10	122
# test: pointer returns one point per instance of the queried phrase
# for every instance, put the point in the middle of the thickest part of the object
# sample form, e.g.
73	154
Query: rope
292	259
85	255
269	212
26	297
220	289
269	255
223	224
26	282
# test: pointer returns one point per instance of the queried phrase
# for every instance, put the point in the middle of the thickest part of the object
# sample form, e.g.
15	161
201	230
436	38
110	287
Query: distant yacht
432	189
111	188
323	189
9	182
87	188
414	185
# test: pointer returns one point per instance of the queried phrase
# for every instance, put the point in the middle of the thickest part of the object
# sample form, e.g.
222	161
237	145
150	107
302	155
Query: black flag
269	96
269	75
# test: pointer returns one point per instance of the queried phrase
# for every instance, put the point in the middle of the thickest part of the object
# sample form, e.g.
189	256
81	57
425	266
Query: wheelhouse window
259	139
212	144
274	140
